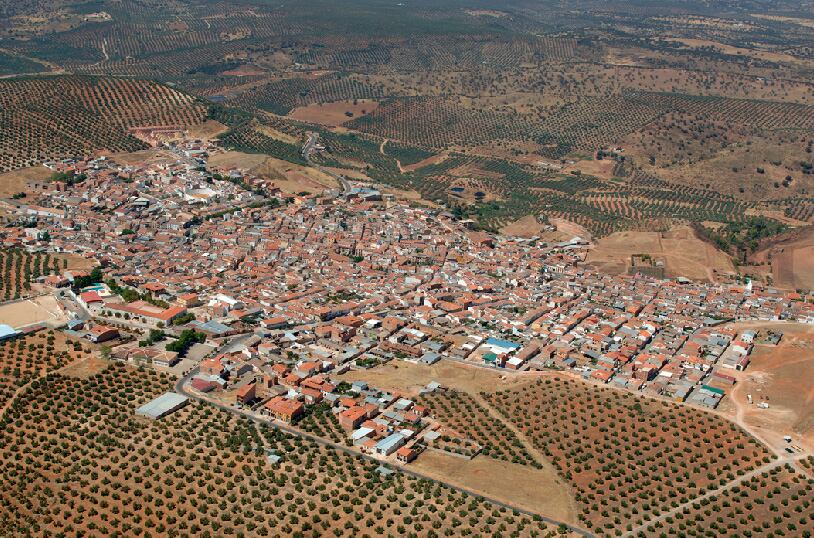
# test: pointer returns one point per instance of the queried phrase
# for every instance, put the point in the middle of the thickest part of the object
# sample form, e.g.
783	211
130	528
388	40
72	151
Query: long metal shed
163	405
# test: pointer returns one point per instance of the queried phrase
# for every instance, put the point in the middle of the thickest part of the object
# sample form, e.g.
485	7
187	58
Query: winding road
308	149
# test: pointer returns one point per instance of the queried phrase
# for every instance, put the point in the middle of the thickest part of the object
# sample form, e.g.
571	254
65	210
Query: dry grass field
527	226
17	181
408	378
26	312
429	161
537	490
333	114
791	259
740	51
684	254
809	23
602	169
143	157
207	130
782	377
735	169
291	178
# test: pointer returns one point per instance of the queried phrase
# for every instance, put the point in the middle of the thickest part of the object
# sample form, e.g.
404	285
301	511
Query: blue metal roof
6	331
501	343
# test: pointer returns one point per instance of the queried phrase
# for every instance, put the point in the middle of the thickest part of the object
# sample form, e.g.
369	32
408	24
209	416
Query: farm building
165	404
6	332
499	347
389	444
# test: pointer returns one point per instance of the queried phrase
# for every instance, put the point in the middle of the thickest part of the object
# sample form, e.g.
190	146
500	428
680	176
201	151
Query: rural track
42	375
306	153
181	389
528	445
717	491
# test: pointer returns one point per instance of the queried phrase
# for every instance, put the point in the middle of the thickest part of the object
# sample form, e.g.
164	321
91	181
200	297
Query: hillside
621	119
46	118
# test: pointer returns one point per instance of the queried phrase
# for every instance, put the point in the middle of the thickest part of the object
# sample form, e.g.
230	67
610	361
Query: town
264	301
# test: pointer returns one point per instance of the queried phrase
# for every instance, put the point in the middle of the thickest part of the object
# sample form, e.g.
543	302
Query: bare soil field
144	157
17	181
602	169
527	226
685	255
736	168
570	229
291	178
408	378
538	490
208	130
783	377
277	135
792	260
44	309
334	114
723	48
808	23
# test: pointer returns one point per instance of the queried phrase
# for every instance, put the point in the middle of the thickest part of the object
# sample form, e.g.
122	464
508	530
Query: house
279	322
312	396
203	385
500	347
284	409
166	359
351	418
211	328
213	366
405	454
146	313
90	300
429	358
246	394
101	333
189	300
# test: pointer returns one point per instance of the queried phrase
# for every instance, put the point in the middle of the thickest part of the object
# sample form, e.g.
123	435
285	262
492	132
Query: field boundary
180	388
